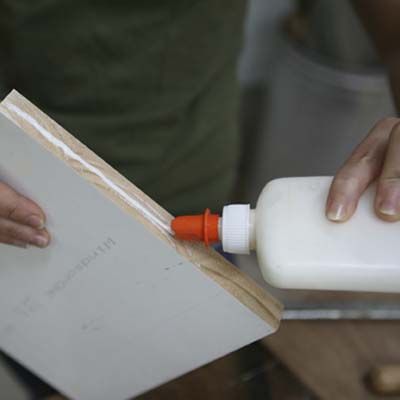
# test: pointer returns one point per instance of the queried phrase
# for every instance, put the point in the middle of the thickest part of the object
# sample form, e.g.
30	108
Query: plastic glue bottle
297	246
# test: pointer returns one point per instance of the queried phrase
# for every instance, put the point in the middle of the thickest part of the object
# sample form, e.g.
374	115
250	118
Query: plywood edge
137	204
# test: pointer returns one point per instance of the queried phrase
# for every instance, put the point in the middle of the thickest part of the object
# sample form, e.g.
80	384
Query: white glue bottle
297	246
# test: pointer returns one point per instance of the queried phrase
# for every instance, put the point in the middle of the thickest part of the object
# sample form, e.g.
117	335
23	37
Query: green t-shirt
148	85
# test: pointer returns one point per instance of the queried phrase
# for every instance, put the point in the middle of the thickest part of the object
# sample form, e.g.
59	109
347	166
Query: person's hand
376	157
22	222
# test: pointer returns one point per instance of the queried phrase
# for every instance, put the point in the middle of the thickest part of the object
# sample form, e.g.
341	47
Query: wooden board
116	305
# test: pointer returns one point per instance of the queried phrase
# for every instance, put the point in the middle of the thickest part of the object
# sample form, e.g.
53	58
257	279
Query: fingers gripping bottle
297	246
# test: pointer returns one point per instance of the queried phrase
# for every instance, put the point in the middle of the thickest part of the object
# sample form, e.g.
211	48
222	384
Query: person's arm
22	222
378	155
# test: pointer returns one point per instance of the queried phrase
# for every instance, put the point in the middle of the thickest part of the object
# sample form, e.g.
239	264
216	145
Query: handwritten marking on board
92	325
105	247
27	307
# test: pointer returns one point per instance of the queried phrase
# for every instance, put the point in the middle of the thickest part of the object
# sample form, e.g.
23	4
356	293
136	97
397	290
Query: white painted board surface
109	310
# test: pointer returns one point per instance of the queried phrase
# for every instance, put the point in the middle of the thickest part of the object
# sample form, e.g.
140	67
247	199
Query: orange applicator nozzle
203	228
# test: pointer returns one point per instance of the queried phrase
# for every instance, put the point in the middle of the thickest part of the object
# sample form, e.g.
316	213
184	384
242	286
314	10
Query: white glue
297	246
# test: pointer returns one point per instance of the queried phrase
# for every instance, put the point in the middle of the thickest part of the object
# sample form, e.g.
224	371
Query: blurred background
308	75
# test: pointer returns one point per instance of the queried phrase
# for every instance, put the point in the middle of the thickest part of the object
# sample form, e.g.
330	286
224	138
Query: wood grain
114	294
208	261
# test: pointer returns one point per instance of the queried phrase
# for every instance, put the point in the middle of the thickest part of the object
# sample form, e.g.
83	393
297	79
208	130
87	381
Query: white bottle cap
236	229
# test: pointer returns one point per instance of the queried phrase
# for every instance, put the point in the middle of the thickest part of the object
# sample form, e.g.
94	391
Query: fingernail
35	222
336	212
40	241
389	206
